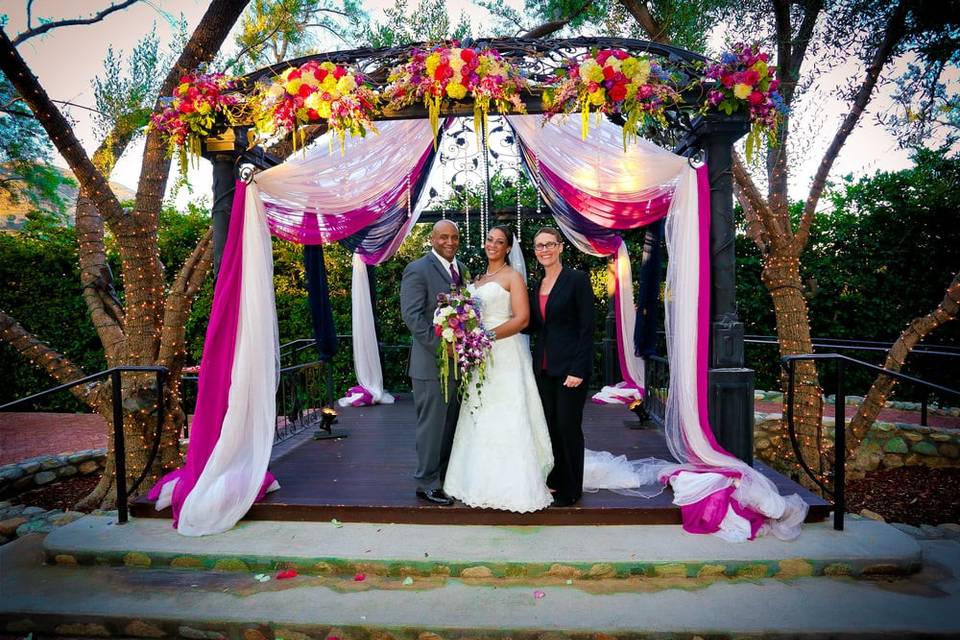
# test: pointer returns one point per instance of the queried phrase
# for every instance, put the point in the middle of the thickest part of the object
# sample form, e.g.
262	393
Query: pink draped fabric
609	214
213	387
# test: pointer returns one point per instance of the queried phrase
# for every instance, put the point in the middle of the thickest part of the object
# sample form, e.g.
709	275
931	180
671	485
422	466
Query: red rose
620	55
186	107
618	92
608	73
755	98
320	74
727	80
312	114
467	55
751	77
305	90
339	72
443	72
645	91
295	74
603	55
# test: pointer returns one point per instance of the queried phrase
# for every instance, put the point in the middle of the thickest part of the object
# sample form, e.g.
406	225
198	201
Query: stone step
511	554
70	600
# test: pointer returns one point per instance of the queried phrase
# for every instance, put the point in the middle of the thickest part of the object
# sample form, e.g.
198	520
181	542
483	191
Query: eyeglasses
546	246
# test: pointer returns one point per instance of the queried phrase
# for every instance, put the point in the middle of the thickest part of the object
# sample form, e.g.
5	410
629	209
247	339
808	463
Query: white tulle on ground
501	451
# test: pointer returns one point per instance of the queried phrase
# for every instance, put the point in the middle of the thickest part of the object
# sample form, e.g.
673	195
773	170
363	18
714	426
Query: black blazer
567	334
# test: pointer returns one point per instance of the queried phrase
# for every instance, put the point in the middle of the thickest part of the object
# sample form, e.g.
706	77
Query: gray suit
437	416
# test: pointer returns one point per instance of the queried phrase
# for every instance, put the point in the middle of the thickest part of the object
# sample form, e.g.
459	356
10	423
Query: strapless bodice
494	303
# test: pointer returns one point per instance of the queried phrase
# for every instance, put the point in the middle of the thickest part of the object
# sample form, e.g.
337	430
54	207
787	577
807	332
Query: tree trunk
882	387
781	275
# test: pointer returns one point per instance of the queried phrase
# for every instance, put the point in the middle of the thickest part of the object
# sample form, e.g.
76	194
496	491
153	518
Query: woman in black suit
562	321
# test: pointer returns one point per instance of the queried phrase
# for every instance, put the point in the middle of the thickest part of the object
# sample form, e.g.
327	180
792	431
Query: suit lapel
439	267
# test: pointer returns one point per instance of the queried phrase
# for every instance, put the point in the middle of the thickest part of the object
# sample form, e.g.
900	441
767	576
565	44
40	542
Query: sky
66	60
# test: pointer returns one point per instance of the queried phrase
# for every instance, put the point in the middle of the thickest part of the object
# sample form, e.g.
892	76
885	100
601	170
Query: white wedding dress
501	451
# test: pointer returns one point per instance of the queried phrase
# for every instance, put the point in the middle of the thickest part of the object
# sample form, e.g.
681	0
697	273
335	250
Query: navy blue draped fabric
648	300
318	296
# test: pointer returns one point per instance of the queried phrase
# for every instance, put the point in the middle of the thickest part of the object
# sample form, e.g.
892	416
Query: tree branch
42	356
553	26
59	130
748	192
30	33
641	14
144	306
893	33
882	387
180	300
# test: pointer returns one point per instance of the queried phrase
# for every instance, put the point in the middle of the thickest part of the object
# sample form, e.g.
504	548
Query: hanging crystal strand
409	206
443	179
519	182
485	203
466	195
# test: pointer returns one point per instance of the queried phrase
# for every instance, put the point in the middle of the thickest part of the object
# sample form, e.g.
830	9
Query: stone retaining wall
887	446
855	401
35	472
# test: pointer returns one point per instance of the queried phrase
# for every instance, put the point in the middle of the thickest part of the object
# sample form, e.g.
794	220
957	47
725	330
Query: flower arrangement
316	91
743	79
191	113
452	73
612	81
457	323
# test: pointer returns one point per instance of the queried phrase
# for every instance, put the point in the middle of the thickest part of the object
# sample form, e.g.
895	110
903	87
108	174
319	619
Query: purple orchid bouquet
462	336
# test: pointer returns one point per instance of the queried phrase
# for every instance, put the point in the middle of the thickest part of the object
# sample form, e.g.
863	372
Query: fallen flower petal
286	574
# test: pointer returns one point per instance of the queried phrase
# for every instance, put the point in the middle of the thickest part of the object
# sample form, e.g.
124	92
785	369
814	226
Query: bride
501	451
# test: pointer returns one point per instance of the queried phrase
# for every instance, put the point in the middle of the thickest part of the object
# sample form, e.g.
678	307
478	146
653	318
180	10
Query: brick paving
886	415
25	435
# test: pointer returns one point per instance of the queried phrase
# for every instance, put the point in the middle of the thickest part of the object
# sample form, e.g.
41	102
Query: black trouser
563	408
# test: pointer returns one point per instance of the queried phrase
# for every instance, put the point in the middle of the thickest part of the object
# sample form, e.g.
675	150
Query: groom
437	415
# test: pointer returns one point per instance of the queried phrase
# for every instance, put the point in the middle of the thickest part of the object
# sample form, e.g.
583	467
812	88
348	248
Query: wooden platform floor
367	477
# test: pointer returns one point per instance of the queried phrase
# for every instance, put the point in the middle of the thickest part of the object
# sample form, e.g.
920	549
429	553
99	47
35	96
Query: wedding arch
367	193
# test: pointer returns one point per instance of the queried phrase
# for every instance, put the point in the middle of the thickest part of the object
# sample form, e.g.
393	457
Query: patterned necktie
454	276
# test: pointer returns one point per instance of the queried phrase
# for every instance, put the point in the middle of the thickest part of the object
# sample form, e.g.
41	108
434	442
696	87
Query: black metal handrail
119	450
840	427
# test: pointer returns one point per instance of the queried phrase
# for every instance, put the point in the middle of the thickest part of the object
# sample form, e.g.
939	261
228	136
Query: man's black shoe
436	496
562	502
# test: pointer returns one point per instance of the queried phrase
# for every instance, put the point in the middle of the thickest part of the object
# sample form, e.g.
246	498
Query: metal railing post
840	450
119	453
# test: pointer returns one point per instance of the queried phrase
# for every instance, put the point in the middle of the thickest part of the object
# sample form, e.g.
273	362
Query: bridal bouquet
457	323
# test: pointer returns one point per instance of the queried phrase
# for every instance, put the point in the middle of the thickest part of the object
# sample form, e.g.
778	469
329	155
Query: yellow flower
630	66
432	62
329	83
183	88
742	91
313	101
597	97
203	108
456	62
323	109
276	91
595	74
328	66
643	71
760	67
456	90
286	74
613	63
588	66
346	84
293	86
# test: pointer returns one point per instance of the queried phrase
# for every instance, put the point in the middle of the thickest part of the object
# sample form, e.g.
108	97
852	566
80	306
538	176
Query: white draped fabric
234	473
599	165
325	180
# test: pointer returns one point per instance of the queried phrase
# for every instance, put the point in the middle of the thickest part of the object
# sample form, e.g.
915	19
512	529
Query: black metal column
730	383
223	185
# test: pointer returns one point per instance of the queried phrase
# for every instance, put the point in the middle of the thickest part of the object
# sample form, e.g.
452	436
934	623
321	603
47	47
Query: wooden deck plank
367	477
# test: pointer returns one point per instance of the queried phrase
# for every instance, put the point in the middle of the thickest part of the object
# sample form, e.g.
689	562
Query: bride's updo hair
508	234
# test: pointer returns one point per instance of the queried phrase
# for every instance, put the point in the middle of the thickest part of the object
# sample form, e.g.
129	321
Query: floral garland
612	81
191	113
316	91
452	73
743	79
